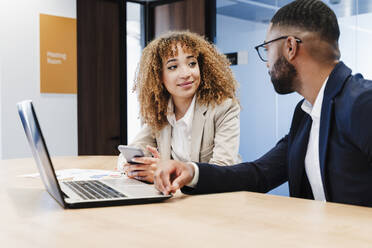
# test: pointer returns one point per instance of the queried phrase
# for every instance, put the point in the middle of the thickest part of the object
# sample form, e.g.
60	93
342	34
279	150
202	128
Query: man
327	154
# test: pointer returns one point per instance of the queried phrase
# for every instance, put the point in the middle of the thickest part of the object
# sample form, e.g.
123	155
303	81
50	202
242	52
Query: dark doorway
101	95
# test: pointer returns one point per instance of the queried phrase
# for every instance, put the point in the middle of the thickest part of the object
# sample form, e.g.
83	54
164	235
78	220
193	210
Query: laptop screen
39	150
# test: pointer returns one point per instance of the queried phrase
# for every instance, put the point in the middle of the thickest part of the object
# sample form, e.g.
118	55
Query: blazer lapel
325	123
335	83
197	130
164	138
296	157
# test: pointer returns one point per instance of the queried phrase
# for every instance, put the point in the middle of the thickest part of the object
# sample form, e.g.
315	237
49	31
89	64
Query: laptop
77	193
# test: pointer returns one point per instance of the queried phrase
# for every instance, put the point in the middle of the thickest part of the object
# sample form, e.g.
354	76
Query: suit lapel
296	158
335	83
197	130
165	137
325	123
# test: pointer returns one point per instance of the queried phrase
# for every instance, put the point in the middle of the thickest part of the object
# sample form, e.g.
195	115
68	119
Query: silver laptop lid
39	149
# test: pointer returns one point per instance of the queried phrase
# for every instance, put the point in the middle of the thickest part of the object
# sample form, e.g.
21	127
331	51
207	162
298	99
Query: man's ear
291	48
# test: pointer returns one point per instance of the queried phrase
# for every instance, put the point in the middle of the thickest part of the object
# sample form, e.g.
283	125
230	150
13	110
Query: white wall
20	79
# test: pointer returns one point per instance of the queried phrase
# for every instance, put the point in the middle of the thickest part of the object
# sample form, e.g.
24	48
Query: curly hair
217	80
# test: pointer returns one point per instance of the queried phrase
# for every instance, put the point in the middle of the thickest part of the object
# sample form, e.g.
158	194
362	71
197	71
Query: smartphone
130	152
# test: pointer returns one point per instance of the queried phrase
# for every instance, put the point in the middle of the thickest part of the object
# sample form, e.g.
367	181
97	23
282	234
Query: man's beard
283	76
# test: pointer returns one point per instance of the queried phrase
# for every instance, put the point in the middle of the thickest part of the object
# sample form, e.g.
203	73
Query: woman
187	97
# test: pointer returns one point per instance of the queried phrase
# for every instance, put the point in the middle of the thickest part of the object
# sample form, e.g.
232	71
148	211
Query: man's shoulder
356	90
353	105
353	108
357	85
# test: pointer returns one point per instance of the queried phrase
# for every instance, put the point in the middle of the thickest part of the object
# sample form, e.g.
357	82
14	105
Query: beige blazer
215	135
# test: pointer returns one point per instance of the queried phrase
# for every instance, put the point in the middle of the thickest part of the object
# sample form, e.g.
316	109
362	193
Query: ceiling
263	10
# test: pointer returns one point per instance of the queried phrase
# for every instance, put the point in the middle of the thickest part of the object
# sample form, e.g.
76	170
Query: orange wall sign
58	69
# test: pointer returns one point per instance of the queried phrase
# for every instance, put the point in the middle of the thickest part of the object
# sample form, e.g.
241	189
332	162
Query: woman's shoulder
227	105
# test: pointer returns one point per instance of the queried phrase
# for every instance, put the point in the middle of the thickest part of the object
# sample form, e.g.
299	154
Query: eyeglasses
262	50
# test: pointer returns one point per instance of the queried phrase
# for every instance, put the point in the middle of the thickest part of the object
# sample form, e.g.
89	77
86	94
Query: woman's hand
146	168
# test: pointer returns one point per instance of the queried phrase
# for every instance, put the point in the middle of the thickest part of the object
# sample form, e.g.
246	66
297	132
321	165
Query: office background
240	25
20	79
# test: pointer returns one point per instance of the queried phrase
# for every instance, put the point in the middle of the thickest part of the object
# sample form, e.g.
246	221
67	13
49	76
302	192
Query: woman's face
181	75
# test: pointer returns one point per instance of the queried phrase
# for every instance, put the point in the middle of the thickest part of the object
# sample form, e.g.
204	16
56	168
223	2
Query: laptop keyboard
93	189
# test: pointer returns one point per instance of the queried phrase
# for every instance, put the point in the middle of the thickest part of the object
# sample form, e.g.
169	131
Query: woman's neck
181	105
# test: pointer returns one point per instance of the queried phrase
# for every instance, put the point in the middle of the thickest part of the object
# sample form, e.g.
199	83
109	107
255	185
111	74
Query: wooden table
31	218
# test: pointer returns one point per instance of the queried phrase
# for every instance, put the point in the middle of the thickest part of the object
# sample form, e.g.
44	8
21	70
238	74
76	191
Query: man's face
283	74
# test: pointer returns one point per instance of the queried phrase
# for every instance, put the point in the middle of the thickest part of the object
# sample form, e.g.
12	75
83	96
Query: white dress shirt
181	132
181	137
312	164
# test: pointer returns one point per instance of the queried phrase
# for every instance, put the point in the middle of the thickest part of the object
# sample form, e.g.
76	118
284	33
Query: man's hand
172	175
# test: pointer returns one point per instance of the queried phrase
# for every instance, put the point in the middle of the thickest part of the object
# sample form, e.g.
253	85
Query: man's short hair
309	15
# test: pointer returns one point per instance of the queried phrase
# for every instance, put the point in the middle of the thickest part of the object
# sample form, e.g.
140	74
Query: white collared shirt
312	164
181	132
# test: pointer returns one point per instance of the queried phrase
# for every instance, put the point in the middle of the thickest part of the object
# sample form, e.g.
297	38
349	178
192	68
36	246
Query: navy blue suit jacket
345	150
